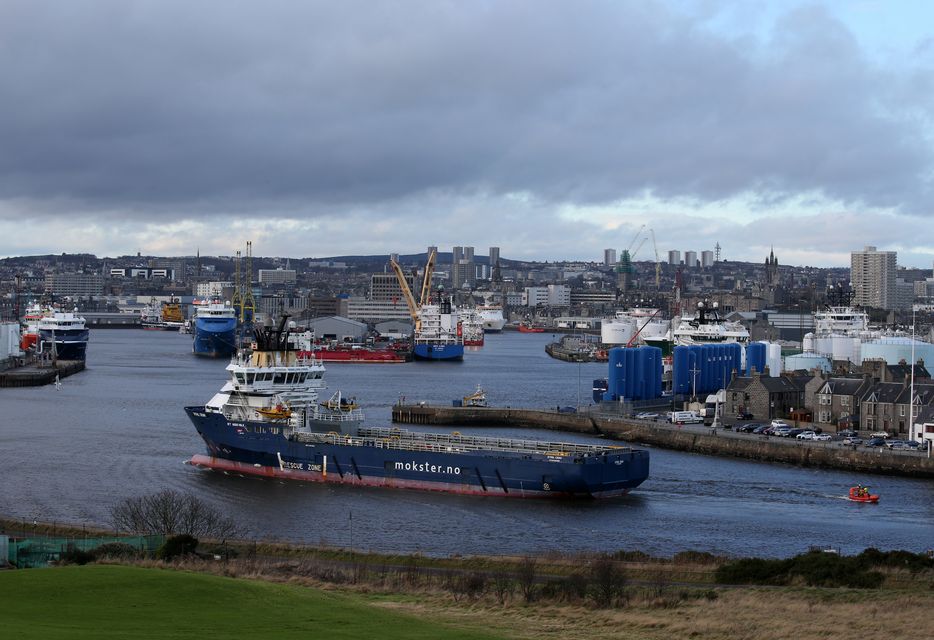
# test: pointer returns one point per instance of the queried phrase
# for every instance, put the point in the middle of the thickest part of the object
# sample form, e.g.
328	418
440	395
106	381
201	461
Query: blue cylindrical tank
679	372
755	357
613	375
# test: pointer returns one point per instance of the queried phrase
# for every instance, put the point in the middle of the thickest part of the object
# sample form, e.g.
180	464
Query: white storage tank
773	359
617	331
9	340
894	350
807	362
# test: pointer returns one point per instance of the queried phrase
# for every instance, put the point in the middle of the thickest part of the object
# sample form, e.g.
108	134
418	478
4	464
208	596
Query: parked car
913	444
749	427
647	415
781	432
806	435
762	428
879	434
876	442
847	433
779	423
796	431
823	437
852	440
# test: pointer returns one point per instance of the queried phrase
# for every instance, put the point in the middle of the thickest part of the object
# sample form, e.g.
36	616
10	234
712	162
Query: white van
684	417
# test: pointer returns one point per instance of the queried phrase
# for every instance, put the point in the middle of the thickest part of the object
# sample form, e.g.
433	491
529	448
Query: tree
169	512
608	580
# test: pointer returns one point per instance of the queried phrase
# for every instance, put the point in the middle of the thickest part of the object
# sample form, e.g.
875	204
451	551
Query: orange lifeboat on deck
860	493
278	412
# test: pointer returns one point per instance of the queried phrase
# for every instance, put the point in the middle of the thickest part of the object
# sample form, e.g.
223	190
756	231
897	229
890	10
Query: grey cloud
195	108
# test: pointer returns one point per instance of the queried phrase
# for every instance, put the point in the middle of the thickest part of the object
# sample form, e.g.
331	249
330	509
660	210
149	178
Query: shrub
607	581
176	546
816	568
695	557
74	555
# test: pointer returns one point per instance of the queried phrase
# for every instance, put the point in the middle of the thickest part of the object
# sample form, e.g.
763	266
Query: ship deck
393	438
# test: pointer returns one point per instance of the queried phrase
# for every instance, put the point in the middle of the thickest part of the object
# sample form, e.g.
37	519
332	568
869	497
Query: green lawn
100	601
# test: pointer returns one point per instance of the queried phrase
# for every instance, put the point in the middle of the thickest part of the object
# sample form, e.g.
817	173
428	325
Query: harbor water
117	430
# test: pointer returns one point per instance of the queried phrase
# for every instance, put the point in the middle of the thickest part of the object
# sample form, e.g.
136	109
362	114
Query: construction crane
407	294
658	263
632	254
426	281
634	238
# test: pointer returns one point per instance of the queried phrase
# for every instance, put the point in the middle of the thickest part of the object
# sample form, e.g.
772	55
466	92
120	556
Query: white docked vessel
839	333
639	325
64	334
707	326
492	317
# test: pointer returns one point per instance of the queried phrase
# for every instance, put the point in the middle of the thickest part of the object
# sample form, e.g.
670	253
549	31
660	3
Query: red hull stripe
231	466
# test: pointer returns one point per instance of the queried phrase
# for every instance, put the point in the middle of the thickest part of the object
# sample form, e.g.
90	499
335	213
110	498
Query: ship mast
237	299
249	302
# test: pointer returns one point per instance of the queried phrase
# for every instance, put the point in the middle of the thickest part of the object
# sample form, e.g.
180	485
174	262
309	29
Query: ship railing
452	443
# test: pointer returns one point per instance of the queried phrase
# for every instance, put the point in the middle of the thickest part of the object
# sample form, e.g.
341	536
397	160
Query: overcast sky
551	129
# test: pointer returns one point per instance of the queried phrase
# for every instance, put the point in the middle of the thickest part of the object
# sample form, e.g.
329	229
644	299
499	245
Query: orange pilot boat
859	493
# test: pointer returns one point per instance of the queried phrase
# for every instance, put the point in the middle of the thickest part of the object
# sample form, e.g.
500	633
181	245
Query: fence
40	551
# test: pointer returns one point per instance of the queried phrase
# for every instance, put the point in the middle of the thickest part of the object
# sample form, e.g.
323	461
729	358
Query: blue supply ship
439	334
215	328
267	421
63	333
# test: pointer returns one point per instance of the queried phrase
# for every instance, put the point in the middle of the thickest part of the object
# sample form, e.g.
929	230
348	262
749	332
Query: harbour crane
426	281
414	307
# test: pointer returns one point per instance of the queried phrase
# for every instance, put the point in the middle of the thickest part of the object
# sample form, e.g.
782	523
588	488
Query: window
825	399
901	410
845	401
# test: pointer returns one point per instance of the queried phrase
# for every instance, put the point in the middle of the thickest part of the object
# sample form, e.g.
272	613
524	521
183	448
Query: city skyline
550	130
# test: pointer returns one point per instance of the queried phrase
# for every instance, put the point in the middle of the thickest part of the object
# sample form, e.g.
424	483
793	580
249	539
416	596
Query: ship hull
385	356
215	339
438	352
255	449
71	344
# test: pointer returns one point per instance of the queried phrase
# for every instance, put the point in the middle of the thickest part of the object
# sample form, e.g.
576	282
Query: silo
615	372
755	357
617	330
681	365
631	373
655	367
807	362
774	360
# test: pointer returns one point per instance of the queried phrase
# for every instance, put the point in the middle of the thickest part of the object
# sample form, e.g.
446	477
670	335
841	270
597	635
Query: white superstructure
643	323
492	317
707	327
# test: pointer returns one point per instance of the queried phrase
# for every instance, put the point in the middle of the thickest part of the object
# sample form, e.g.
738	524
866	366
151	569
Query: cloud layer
445	122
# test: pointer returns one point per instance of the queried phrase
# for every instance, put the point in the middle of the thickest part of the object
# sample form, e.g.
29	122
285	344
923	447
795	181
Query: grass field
106	601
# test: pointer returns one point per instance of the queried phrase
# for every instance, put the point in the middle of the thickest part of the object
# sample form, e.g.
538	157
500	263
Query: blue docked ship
439	333
267	421
64	334
215	329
